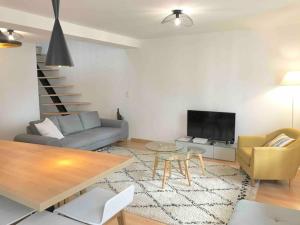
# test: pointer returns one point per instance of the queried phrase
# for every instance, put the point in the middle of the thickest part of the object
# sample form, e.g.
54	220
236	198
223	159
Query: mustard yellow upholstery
269	163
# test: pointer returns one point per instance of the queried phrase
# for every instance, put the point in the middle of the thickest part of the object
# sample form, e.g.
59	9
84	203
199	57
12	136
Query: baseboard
139	140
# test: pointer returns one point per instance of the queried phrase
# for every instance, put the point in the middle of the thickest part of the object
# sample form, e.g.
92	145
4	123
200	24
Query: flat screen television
215	126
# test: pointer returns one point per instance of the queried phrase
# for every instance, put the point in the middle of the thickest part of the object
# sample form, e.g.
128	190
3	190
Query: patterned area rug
209	200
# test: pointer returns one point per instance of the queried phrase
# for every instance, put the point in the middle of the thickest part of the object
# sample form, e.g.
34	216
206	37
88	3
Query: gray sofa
255	213
84	131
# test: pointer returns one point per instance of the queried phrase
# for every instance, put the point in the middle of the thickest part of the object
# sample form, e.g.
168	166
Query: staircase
54	95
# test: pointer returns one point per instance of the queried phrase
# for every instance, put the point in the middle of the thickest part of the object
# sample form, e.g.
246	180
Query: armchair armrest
251	141
38	139
276	162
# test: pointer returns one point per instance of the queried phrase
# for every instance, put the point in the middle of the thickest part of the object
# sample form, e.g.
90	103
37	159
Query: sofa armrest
251	141
113	123
38	139
122	124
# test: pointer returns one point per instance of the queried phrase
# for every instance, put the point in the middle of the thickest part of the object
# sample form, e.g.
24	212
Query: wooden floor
272	192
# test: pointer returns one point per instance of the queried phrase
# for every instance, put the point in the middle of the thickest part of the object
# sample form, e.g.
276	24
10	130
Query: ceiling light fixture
58	52
13	35
178	18
8	41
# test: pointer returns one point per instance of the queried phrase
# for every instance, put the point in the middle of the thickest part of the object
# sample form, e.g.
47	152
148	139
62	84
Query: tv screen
217	126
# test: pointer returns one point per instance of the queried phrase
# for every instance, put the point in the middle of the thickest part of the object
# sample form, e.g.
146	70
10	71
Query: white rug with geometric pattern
210	199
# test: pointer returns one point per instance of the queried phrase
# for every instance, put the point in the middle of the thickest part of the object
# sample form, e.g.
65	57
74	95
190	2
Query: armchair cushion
245	154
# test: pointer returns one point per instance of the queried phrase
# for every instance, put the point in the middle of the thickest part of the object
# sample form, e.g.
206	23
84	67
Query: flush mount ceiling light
58	53
178	18
9	39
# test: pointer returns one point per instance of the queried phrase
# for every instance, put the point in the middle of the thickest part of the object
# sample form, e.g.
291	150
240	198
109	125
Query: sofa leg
253	182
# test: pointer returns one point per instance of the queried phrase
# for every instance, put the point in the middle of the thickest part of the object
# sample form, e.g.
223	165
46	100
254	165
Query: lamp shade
291	78
58	53
6	43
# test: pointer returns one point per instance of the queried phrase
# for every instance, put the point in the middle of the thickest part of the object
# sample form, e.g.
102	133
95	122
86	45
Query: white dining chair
98	206
12	212
47	218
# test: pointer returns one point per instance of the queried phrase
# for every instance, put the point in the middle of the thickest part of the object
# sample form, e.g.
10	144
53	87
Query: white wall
229	71
101	74
154	86
18	90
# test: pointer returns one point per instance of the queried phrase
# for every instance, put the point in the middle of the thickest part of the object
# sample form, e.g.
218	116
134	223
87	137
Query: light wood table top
40	176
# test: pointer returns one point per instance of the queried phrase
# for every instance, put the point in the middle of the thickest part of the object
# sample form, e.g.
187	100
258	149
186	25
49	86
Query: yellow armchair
269	163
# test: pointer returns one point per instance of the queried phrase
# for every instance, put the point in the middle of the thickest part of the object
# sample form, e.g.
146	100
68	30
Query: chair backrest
117	203
291	132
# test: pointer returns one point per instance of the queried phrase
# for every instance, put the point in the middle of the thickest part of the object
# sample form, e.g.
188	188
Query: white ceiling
141	18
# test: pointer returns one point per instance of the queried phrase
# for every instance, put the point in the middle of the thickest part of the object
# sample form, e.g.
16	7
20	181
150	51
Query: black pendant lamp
58	53
5	41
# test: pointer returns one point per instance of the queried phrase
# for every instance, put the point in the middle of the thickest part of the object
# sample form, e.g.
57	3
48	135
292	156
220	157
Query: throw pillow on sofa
281	140
48	128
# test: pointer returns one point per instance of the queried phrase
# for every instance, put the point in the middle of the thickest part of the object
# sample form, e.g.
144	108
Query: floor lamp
291	78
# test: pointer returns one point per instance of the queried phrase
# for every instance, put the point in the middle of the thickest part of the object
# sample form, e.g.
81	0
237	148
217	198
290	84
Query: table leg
170	168
155	165
201	164
187	172
166	169
180	168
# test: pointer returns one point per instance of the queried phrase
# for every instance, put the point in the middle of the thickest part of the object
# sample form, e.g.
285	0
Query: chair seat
245	154
11	212
47	218
87	208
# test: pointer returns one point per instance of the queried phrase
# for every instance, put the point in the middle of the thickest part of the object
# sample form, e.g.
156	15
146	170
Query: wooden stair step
66	103
61	94
57	86
59	113
52	77
48	69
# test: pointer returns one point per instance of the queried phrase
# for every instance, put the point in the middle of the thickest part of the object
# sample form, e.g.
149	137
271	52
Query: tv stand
213	149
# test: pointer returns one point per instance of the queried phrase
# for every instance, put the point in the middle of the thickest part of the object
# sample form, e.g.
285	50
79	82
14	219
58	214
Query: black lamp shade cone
58	53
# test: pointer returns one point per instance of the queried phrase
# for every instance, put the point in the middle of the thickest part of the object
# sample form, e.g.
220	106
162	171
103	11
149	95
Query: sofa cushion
70	124
245	154
35	131
91	136
249	213
90	120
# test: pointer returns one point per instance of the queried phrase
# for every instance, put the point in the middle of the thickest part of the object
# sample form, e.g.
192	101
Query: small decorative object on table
119	116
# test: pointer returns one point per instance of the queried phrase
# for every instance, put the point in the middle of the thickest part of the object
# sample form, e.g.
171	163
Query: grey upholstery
47	218
105	132
38	139
90	120
254	213
11	212
88	137
70	124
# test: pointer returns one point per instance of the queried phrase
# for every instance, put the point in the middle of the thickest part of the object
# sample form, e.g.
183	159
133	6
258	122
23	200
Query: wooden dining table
40	176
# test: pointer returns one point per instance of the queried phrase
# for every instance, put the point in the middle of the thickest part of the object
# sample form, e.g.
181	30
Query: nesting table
168	153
